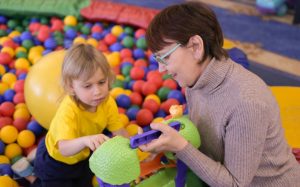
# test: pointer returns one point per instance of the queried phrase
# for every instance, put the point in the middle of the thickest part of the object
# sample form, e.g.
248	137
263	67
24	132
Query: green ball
128	30
27	44
167	76
118	84
44	20
19	28
128	42
85	30
126	70
163	93
141	43
3	32
12	23
21	54
114	162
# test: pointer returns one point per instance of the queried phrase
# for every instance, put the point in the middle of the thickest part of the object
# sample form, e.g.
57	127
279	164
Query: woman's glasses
160	59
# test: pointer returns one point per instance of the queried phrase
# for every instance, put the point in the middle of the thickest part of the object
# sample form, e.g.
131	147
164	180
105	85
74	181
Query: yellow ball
154	97
132	129
2	69
21	105
128	92
114	59
70	20
9	134
115	92
42	94
12	150
3	87
117	30
4	159
9	78
8	50
22	63
26	138
6	181
120	77
14	34
93	42
79	40
22	113
158	120
4	39
124	119
23	49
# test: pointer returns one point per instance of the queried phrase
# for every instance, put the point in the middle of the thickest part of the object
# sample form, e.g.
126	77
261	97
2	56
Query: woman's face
181	63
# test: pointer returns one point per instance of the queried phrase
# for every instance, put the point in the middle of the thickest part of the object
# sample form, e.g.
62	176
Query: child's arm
121	132
74	146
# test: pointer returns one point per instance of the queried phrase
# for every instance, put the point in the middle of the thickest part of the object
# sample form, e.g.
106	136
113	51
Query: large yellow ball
6	181
43	91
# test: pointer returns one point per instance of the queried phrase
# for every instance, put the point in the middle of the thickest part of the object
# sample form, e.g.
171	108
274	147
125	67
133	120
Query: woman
242	140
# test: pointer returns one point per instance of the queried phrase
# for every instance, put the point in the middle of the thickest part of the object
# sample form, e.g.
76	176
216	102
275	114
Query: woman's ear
196	43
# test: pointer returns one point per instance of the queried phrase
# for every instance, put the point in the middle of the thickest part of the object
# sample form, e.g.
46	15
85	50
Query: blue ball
1	101
50	43
123	101
46	51
152	67
176	94
68	43
2	147
35	127
22	76
17	40
36	41
71	34
160	113
138	53
5	169
3	19
26	35
116	47
9	95
130	84
97	35
132	112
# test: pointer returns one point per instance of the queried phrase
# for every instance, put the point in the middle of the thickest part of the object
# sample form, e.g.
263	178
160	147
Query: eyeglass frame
160	59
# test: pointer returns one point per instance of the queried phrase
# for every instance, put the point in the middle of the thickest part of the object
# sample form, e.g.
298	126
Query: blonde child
75	131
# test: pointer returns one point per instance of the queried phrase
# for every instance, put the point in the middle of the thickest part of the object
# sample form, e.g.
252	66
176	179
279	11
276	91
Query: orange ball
26	138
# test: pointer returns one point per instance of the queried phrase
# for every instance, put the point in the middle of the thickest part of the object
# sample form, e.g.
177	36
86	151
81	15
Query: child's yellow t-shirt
71	122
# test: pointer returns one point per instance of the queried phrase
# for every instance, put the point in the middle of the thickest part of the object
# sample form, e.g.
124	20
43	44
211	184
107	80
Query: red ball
170	83
138	85
20	123
128	59
7	109
157	80
136	98
168	103
121	110
139	33
34	27
125	53
144	117
10	43
140	63
110	39
154	73
137	73
19	86
151	105
96	28
19	98
149	88
5	58
5	121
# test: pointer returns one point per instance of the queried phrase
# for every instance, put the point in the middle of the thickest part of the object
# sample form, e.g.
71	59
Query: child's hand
94	141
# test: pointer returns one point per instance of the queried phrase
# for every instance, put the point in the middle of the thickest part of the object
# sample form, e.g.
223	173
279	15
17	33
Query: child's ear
197	45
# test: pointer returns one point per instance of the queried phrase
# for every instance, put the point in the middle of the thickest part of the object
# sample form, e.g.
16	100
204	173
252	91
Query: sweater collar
213	75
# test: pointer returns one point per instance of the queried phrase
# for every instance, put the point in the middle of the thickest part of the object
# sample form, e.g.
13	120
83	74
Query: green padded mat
42	7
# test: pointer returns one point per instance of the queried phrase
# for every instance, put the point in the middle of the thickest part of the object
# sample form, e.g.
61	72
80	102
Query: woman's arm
74	146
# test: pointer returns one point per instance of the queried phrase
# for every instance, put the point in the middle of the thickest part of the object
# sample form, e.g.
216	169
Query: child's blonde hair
81	62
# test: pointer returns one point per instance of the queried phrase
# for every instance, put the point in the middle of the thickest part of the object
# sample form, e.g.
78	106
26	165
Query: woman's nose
161	68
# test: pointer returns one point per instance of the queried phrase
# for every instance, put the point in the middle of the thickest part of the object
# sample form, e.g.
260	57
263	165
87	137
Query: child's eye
87	86
101	82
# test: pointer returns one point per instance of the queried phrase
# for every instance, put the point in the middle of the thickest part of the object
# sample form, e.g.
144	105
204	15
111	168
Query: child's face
92	91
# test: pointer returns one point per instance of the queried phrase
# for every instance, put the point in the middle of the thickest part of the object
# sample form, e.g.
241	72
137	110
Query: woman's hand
169	140
94	141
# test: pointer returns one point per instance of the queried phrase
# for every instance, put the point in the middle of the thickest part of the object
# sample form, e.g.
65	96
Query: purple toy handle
103	184
148	136
181	174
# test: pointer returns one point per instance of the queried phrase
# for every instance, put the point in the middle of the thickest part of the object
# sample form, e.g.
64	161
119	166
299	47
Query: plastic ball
9	134
42	95
2	146
7	109
151	105
163	93
128	41
141	43
153	97
124	119
20	124
92	42
70	20
4	159
4	121
26	138
5	169
79	40
19	98
138	85
12	150
27	44
132	112
139	33
22	113
35	127
144	117
137	73
22	63
138	53
6	181
170	83
5	58
3	87
149	88
9	95
110	39
19	86
9	78
132	129
123	101
176	94
116	47
136	98
168	103
117	30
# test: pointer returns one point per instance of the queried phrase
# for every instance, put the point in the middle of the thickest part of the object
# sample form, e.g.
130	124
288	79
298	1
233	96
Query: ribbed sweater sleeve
244	143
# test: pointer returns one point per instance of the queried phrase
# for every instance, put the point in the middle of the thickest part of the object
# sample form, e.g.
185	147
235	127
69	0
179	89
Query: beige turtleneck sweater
242	140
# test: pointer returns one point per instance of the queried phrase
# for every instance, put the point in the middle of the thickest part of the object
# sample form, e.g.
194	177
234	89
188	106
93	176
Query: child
75	131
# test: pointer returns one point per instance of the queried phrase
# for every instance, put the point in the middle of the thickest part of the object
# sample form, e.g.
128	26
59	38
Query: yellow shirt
71	122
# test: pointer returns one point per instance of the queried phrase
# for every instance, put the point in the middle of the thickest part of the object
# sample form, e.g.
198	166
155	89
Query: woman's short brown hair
182	21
